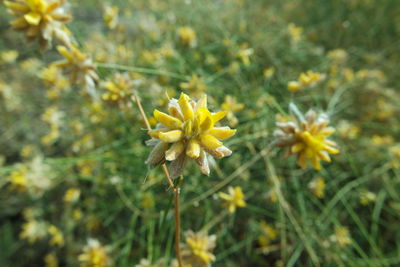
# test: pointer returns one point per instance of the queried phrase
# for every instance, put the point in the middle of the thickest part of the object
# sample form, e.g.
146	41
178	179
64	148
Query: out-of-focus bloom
341	236
194	86
346	130
188	131
79	66
268	234
198	248
119	88
52	76
379	140
51	260
295	33
395	154
40	19
187	36
338	56
35	178
317	187
244	54
110	16
233	199
159	263
34	230
306	79
230	106
268	73
9	56
94	255
307	137
367	197
72	195
147	200
57	237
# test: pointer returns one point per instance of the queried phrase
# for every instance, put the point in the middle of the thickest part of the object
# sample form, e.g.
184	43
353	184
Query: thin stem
142	70
171	184
177	227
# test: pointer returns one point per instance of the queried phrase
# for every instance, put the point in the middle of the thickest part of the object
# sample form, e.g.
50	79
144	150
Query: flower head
188	131
119	88
79	66
307	137
94	255
110	16
317	187
306	79
231	106
40	19
187	36
234	198
197	248
195	85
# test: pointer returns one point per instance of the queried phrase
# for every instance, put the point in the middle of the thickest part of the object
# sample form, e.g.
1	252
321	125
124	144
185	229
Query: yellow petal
167	120
171	136
316	162
216	117
222	133
210	141
33	18
202	103
193	149
205	119
18	7
186	107
64	52
174	151
297	147
19	23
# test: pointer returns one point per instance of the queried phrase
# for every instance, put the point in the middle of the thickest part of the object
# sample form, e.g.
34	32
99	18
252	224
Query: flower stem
176	187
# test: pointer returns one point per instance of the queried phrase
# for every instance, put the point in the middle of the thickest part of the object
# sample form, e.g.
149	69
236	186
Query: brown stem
171	184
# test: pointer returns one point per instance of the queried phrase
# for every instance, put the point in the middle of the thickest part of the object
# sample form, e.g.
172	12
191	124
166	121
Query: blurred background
74	186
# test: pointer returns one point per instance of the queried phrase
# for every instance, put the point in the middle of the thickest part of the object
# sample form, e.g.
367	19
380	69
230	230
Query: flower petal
167	120
171	136
210	141
222	133
186	107
33	18
193	149
174	151
216	117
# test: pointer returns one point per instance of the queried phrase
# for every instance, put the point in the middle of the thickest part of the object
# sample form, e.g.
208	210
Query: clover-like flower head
307	137
40	19
188	131
198	247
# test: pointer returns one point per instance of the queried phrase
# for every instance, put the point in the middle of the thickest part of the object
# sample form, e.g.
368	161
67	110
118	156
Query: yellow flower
18	179
33	230
57	237
295	32
244	54
72	195
187	36
9	56
188	131
306	137
79	66
40	19
195	85
317	187
306	79
268	73
230	106
51	260
367	197
268	234
110	16
197	248
119	88
234	198
341	236
94	255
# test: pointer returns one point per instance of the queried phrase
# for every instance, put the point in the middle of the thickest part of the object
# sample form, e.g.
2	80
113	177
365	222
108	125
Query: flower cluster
306	79
198	247
307	137
188	131
233	199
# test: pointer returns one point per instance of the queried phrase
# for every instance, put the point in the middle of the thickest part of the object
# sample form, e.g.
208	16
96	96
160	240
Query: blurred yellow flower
195	85
119	88
51	260
269	72
188	131
367	197
230	106
306	79
94	255
9	56
306	137
198	248
110	16
341	236
72	195
40	19
234	198
18	179
268	234
79	66
295	33
33	230
317	187
187	36
244	54
57	237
